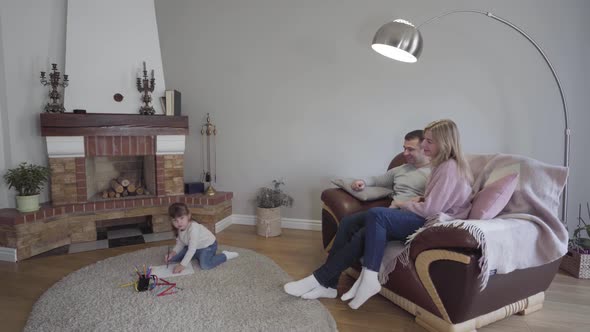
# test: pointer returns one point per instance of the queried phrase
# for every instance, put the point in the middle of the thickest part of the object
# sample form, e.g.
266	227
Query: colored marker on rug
168	257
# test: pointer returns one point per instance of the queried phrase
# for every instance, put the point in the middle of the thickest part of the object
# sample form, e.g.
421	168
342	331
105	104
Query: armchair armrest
443	238
343	204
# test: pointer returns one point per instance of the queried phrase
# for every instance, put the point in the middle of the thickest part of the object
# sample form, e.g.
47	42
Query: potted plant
27	180
268	208
577	259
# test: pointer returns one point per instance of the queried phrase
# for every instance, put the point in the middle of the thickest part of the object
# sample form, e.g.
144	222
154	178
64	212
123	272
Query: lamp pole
413	46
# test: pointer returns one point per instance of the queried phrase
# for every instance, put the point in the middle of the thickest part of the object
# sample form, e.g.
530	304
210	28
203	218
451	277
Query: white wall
33	37
4	141
296	91
106	44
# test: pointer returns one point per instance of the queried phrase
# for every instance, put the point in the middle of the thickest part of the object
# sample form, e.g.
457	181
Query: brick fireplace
84	150
78	144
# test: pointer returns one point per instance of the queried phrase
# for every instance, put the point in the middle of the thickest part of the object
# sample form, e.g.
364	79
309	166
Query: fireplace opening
120	177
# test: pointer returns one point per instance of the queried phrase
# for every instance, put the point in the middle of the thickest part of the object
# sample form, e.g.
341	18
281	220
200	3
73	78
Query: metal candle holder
146	87
208	133
55	106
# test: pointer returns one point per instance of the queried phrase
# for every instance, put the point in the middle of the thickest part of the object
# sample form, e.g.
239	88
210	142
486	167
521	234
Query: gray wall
4	144
113	60
33	36
296	91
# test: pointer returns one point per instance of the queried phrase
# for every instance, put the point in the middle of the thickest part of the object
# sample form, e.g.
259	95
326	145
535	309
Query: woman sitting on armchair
448	191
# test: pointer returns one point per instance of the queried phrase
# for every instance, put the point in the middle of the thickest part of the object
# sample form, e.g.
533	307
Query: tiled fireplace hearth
74	143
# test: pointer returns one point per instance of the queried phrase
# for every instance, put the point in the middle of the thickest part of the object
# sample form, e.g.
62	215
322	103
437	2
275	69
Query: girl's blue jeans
206	256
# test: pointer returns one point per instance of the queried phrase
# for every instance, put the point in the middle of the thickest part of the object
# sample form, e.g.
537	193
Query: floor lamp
401	40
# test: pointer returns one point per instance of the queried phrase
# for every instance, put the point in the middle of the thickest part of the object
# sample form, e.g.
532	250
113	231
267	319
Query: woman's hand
395	204
168	257
400	205
178	268
358	185
416	199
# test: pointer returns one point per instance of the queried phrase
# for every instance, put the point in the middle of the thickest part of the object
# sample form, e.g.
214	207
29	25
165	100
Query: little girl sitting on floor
193	240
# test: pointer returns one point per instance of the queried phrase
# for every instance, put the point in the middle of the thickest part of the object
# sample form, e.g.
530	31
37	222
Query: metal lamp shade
399	41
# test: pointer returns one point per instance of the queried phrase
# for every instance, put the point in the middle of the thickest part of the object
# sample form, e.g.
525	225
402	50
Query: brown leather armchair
440	286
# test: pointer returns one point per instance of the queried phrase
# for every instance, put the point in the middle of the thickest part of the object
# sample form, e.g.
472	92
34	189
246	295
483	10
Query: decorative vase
268	221
27	203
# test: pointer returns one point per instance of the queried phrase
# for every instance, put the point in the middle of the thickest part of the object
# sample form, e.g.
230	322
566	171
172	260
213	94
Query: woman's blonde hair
446	134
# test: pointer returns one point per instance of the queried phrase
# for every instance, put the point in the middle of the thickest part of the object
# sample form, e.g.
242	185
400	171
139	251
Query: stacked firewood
123	187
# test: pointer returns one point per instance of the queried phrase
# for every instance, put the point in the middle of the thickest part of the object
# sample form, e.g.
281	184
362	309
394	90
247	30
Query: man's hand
358	185
178	268
416	199
168	257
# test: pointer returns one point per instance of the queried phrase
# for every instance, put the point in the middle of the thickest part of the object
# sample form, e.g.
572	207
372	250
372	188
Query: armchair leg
530	310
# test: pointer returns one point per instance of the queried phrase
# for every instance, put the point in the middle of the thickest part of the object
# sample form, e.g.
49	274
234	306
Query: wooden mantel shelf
109	124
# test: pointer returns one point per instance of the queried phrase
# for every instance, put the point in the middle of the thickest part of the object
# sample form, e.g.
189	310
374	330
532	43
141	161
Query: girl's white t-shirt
195	236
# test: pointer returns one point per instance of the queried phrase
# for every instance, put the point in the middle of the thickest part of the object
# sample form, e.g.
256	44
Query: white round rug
243	294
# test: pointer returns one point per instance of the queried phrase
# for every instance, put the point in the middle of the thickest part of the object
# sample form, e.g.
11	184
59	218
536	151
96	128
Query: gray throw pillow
367	194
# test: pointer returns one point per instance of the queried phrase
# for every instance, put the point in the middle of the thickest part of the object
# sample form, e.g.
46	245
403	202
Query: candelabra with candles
208	134
146	87
55	106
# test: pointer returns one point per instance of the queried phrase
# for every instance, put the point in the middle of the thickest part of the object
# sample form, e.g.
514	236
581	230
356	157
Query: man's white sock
352	291
320	291
300	287
230	254
369	286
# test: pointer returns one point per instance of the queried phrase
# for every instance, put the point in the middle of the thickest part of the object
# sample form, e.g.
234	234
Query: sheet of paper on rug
162	272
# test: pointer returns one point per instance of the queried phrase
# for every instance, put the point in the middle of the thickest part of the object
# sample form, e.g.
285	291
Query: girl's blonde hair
446	135
177	210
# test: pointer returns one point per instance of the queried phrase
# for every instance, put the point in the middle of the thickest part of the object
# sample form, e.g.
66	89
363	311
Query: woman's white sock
352	291
369	286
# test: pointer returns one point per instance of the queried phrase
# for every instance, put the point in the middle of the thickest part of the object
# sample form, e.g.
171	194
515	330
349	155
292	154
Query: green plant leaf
27	179
584	243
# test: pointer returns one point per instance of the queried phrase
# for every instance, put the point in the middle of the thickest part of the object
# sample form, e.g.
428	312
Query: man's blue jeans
347	248
207	256
385	224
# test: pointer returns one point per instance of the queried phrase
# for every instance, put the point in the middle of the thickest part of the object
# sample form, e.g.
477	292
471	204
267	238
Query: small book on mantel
172	102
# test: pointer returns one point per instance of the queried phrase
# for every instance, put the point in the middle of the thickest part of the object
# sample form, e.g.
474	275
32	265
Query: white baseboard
7	254
223	224
291	223
243	219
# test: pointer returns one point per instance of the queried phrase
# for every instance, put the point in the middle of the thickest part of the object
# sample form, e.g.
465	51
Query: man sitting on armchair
408	181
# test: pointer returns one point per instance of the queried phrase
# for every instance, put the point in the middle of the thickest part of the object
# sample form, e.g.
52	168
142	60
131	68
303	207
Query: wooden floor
567	304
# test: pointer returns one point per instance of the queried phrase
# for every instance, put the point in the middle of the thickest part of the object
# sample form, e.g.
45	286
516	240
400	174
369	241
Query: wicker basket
576	264
268	222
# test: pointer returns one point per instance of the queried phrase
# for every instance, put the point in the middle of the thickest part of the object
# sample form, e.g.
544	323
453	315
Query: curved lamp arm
402	41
